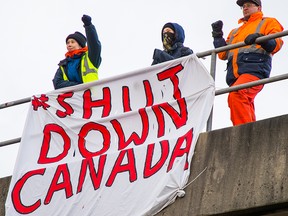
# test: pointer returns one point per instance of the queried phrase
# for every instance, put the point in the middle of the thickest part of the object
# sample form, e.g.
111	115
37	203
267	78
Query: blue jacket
94	54
178	49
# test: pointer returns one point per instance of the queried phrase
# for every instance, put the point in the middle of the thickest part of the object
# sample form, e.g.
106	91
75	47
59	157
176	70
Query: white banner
119	146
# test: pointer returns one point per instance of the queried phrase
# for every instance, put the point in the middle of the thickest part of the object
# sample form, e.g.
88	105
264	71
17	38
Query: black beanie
79	37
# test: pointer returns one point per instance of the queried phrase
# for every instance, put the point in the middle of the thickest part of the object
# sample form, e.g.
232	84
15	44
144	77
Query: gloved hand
251	38
86	20
217	29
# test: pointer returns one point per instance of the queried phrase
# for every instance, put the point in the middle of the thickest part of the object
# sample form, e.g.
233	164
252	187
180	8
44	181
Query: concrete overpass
243	172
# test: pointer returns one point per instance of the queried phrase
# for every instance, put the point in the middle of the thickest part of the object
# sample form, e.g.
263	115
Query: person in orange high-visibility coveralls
249	63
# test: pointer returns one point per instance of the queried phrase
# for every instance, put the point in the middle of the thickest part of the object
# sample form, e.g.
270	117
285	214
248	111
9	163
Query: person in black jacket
82	62
173	36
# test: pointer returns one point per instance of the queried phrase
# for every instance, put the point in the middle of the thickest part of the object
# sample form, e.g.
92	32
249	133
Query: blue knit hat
79	37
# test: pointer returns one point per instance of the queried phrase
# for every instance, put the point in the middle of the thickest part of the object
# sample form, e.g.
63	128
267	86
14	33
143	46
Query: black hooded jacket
178	49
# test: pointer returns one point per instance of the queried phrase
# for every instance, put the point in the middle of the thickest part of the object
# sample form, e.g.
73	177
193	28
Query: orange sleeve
272	26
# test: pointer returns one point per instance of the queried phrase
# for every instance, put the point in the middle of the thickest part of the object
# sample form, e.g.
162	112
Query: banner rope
180	192
195	177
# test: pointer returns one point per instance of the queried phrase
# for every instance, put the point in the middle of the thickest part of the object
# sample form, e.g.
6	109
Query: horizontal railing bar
241	44
217	92
199	55
251	84
14	103
10	142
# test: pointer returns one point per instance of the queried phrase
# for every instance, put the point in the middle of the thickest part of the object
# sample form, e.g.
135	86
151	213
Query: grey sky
33	41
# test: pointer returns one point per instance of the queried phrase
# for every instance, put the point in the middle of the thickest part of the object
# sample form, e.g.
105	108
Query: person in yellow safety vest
248	63
82	62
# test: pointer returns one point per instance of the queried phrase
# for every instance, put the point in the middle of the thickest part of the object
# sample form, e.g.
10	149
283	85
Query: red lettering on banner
179	120
126	99
126	96
130	167
16	196
92	168
68	109
48	129
149	170
134	136
171	74
41	101
88	104
62	170
180	152
95	177
85	130
149	93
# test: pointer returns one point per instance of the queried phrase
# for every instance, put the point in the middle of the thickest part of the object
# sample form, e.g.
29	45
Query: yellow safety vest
89	72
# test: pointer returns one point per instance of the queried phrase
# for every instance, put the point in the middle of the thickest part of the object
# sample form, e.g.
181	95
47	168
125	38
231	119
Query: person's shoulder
272	20
186	51
62	62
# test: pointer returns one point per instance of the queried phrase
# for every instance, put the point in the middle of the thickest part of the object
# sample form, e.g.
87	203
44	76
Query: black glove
86	20
217	29
251	38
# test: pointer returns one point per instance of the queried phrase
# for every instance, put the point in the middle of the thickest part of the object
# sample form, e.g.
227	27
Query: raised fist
86	20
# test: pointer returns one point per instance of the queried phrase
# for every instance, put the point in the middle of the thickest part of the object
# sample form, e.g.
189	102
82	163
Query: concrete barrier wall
245	168
4	186
246	171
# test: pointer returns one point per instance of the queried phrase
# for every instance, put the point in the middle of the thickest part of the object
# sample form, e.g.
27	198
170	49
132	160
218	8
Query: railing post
213	74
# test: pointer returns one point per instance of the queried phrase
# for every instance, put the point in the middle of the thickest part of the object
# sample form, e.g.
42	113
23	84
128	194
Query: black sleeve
219	42
269	45
94	45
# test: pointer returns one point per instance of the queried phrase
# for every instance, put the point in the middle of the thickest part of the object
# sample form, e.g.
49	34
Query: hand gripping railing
213	54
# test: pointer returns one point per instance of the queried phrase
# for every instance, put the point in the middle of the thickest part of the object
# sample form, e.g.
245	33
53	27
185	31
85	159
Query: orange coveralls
248	64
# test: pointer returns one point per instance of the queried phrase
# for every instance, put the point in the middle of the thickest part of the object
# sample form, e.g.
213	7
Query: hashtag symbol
40	102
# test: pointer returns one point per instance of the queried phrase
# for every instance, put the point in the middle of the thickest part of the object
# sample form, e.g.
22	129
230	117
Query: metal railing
213	54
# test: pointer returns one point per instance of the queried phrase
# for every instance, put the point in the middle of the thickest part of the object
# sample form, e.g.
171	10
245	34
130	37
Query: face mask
168	40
